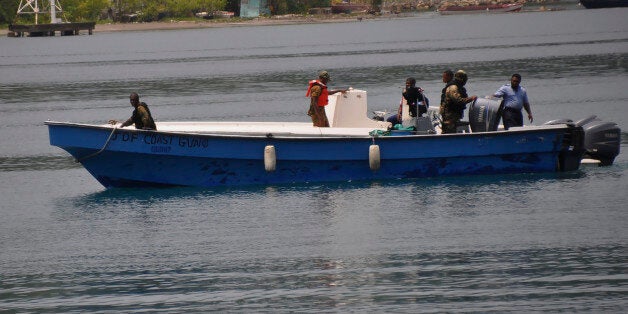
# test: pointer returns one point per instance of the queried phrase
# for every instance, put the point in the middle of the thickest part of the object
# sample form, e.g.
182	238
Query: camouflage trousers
450	121
318	115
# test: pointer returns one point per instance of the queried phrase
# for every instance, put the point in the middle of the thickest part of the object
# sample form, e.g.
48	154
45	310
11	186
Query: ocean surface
509	243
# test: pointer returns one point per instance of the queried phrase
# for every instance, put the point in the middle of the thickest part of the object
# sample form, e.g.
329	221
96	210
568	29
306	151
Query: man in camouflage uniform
448	79
455	102
141	116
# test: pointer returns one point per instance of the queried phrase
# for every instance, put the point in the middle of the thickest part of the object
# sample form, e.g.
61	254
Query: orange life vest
323	98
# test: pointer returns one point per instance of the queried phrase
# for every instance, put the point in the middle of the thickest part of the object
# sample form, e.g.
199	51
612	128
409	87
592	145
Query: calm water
524	243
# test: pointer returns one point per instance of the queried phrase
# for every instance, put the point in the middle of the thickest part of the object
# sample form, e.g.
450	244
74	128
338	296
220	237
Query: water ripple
543	279
37	163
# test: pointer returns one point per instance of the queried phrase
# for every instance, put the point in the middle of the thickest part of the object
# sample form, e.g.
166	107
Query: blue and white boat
355	147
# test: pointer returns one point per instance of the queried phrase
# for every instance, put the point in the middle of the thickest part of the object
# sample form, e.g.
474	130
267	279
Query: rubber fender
374	157
270	158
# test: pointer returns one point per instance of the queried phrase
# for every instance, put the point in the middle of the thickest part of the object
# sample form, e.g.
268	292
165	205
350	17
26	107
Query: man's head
448	75
324	76
515	80
461	76
410	82
135	99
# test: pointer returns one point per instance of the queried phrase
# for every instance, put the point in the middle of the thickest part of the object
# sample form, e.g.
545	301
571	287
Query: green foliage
157	10
8	9
278	7
83	10
317	3
149	10
153	11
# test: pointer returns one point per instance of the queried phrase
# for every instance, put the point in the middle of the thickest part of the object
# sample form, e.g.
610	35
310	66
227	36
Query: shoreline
172	25
278	20
290	19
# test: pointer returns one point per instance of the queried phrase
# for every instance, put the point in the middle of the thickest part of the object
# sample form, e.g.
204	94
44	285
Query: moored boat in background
480	8
599	4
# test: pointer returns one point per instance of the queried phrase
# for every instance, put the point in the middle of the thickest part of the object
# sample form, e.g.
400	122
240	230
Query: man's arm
453	93
499	93
127	122
315	92
526	106
331	92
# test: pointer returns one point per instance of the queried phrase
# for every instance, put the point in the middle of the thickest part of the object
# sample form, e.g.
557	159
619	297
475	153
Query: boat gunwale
296	136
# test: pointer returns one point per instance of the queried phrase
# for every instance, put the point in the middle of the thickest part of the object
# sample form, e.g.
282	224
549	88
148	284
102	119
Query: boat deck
263	129
282	129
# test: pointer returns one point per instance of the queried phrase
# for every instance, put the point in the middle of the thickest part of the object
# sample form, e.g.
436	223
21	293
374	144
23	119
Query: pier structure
47	7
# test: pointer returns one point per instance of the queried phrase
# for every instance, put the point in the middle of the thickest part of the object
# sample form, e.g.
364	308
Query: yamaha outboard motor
601	139
484	115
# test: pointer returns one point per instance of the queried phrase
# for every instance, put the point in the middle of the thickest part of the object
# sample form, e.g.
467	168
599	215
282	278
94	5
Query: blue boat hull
130	158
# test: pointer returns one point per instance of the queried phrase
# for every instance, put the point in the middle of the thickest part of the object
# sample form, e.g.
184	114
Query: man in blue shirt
515	97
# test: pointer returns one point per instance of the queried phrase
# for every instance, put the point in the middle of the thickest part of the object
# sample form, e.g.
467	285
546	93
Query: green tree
149	10
83	10
301	6
278	7
8	10
212	5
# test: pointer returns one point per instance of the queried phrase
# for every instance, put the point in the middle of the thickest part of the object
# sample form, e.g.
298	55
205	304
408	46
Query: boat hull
492	8
137	158
599	4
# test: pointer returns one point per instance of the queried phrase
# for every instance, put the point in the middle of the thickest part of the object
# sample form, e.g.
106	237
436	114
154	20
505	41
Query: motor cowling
601	140
484	115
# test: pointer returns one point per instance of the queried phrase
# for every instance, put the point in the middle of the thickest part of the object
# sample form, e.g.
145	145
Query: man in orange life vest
317	91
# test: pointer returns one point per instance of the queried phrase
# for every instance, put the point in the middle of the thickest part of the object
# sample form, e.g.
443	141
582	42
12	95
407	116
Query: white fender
270	158
374	158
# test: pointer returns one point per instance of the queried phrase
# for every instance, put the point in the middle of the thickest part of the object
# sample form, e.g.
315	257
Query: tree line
148	10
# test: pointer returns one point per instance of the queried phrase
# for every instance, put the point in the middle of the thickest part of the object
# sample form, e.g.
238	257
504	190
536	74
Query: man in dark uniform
141	116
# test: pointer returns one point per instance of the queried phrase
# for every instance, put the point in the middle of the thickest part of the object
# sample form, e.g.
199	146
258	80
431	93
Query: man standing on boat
141	116
514	98
448	79
455	102
317	91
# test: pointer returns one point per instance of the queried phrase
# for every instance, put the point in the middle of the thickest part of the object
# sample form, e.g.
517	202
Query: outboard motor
572	148
601	139
484	115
